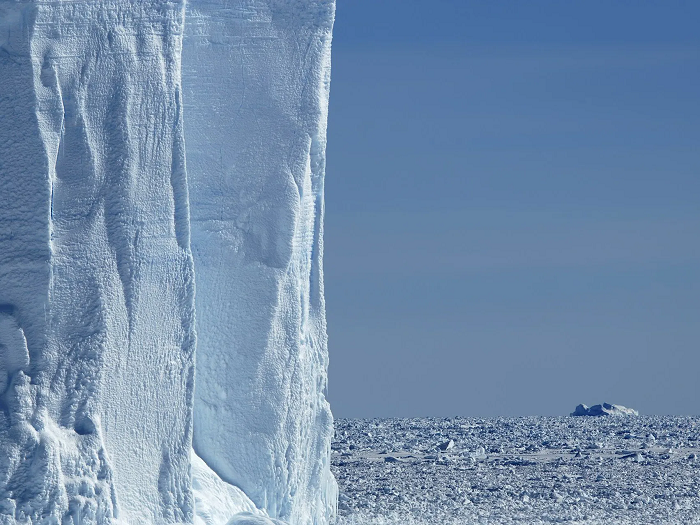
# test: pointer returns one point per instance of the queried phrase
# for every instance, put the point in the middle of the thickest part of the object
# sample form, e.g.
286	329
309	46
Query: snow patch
215	500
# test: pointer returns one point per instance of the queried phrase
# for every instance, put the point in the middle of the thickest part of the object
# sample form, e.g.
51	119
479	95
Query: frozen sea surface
533	470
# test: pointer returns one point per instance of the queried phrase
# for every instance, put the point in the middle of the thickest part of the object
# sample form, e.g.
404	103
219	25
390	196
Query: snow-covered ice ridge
148	148
535	470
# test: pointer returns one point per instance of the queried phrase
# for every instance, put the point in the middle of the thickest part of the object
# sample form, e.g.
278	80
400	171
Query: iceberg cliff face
95	273
256	78
97	303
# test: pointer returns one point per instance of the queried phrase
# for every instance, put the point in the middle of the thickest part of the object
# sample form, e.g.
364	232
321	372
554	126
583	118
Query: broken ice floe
591	470
447	445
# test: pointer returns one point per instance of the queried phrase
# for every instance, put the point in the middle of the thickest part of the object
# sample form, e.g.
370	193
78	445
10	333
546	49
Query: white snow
216	502
256	81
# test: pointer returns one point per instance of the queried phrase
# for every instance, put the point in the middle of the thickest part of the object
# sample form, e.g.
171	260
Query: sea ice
537	470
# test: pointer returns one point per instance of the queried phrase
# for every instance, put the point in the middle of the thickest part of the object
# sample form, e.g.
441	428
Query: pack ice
103	237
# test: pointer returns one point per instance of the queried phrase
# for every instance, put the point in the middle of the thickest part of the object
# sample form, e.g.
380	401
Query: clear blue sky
513	207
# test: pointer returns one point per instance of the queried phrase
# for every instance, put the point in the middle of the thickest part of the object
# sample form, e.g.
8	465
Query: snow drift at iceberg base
99	258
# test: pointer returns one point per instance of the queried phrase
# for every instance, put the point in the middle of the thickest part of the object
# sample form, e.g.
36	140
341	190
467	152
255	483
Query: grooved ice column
96	278
256	79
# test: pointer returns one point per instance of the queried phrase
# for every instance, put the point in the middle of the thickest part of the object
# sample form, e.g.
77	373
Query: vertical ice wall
256	78
96	279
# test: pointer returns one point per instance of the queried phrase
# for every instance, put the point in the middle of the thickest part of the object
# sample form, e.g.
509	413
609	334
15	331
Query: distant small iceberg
606	409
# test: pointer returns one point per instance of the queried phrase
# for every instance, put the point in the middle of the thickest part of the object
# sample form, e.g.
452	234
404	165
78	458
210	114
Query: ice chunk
256	81
606	409
447	445
479	454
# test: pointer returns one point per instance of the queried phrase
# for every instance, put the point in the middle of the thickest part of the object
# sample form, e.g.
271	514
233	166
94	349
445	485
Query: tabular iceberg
606	409
97	276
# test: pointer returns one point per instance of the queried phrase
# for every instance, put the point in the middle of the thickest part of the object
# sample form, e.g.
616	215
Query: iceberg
146	151
606	409
96	274
256	78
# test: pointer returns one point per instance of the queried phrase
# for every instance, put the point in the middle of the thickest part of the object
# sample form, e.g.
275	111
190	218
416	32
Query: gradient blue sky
513	207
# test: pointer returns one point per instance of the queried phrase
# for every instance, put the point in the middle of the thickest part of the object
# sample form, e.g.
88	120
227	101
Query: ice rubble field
534	470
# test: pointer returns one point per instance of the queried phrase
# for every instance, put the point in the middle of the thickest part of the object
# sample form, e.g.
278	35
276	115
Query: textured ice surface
96	276
96	279
256	78
535	470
